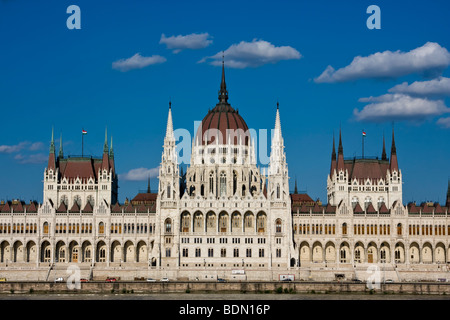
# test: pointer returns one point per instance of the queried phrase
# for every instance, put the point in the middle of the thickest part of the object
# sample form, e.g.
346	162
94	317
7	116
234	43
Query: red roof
224	119
362	169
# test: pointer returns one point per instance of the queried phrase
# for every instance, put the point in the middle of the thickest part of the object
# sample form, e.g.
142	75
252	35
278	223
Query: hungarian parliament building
224	218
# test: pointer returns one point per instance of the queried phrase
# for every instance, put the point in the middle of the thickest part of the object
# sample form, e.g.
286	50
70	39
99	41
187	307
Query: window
278	191
197	252
399	229
101	228
210	252
344	228
168	225
278	225
261	253
236	252
185	253
46	228
223	184
168	252
249	253
223	252
211	182
278	253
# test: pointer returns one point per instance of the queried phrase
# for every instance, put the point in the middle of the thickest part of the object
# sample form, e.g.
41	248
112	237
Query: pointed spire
295	187
278	121
51	157
52	143
223	93
383	153
393	148
61	154
105	145
340	160
394	162
169	128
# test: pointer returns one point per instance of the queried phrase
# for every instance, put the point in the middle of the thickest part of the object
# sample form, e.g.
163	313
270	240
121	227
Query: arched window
234	182
211	182
278	225
344	228
168	225
45	228
185	222
399	229
223	184
101	228
278	191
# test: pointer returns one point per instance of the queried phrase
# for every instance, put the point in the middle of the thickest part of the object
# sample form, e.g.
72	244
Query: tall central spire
223	93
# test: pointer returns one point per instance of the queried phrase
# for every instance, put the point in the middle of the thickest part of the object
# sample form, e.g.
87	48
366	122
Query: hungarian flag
83	131
364	133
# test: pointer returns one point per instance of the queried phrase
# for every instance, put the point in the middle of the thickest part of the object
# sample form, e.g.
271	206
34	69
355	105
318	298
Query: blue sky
274	50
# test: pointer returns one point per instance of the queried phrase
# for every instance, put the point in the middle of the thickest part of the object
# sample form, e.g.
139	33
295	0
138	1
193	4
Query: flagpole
82	143
363	144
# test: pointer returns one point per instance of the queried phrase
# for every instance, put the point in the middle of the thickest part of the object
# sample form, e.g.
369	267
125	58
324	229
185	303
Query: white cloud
137	62
432	88
13	148
253	54
444	122
429	60
36	146
191	41
139	174
399	107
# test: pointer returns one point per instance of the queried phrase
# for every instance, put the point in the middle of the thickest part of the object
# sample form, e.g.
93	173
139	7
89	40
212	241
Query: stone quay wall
158	287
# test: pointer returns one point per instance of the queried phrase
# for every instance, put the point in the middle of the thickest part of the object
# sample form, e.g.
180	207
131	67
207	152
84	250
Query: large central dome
223	124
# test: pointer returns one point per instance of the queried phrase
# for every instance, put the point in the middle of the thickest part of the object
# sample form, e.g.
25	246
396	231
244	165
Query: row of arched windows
115	228
18	227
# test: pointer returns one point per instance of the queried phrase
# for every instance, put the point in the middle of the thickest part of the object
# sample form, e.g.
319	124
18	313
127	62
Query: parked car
165	280
111	279
60	279
389	281
84	280
150	280
2	279
221	280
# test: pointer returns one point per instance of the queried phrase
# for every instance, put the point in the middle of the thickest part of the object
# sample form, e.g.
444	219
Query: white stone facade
224	218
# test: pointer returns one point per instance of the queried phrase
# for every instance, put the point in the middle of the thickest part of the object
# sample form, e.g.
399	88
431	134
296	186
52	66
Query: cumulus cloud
399	107
444	122
191	41
137	62
253	54
13	148
433	88
428	60
139	174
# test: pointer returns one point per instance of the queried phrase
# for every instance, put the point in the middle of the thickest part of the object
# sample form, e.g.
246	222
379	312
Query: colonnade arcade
84	252
373	252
